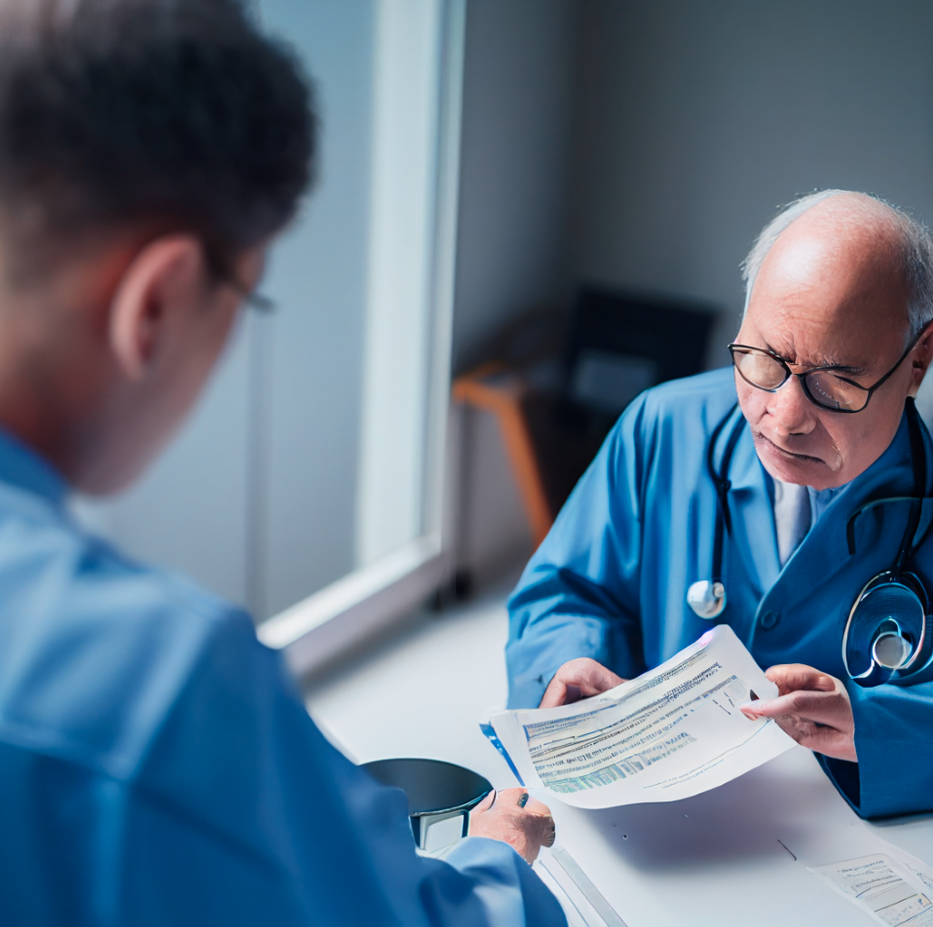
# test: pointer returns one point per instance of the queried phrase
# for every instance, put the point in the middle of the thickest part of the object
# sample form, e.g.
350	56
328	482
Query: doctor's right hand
576	679
515	818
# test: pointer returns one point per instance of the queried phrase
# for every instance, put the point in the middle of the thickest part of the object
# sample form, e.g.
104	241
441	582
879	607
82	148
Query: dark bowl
432	786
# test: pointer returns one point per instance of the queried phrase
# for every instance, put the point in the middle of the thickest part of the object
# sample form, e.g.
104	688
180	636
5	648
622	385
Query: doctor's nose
793	413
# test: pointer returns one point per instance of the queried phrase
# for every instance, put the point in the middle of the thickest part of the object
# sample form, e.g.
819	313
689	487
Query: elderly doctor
768	497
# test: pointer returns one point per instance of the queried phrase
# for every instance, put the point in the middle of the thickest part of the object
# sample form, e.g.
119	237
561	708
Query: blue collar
22	467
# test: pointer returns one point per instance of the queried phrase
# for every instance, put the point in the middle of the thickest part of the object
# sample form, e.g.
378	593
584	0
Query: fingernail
523	800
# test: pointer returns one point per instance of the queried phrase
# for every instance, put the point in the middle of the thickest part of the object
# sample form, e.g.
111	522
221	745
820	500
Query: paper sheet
893	891
669	734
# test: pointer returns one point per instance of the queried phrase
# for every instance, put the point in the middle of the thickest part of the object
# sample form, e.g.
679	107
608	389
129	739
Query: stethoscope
888	636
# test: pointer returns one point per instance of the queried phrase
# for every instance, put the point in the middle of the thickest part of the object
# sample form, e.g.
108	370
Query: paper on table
917	869
671	733
893	891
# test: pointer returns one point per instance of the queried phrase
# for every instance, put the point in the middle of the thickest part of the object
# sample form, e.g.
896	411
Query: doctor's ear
922	356
164	281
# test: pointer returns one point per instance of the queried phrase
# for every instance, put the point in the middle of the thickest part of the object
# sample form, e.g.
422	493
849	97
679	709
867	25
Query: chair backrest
620	343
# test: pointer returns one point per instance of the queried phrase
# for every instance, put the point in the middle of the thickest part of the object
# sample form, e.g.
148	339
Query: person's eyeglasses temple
260	303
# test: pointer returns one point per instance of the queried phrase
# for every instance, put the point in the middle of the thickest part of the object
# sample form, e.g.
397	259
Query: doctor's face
820	300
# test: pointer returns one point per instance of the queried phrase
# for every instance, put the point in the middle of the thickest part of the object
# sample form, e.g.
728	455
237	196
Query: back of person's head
160	115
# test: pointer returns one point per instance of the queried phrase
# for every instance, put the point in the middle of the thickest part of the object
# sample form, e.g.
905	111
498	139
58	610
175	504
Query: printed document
892	891
671	733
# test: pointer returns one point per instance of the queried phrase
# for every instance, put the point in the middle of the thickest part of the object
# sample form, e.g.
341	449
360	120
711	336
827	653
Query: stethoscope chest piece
707	598
887	634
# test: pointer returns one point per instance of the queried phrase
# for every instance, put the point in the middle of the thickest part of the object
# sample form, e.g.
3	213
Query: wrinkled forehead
849	243
833	278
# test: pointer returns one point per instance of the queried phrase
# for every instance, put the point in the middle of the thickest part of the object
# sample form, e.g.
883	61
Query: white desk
727	857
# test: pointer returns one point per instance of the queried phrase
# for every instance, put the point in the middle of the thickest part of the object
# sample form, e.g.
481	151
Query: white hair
916	247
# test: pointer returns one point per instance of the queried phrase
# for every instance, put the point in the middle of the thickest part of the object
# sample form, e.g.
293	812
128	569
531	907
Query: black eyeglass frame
258	302
788	373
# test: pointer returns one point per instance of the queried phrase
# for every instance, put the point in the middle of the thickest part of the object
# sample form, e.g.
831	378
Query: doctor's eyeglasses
825	387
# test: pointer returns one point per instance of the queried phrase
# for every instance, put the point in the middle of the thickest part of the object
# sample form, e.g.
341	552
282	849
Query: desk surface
713	859
737	855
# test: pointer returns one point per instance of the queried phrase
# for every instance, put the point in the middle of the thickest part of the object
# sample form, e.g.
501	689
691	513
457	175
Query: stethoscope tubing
722	484
896	575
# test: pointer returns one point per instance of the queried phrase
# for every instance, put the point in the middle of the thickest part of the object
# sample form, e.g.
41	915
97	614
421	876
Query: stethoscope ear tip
707	598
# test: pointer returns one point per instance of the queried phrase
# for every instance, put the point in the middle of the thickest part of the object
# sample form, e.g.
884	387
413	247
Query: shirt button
769	620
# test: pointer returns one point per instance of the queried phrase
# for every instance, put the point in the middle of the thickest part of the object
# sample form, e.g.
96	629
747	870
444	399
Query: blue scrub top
158	767
610	580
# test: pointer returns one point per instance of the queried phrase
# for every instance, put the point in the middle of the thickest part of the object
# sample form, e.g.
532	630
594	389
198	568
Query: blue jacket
158	767
610	579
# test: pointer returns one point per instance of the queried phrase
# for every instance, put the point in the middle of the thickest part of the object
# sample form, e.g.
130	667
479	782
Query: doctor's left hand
812	707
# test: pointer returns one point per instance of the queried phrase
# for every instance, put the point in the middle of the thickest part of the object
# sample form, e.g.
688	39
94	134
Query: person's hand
578	679
812	707
516	818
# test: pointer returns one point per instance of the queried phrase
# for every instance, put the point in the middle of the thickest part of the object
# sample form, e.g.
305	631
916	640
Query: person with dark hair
157	765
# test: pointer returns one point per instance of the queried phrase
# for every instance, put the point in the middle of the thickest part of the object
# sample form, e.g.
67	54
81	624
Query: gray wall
512	234
515	161
696	120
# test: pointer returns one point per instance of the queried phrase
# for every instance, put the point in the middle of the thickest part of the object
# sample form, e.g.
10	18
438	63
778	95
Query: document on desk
671	733
893	891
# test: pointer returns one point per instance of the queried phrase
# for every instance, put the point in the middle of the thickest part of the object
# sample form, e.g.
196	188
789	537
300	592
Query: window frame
317	629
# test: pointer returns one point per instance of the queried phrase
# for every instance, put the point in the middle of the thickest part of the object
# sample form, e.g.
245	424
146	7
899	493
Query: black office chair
618	344
556	411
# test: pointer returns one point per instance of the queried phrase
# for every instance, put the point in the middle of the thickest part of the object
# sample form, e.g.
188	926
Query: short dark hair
173	113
